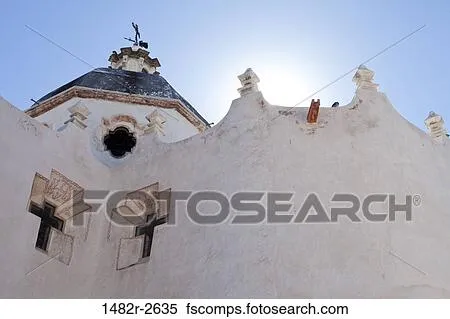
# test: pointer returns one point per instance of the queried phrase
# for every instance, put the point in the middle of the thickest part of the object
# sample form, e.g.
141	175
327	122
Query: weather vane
137	37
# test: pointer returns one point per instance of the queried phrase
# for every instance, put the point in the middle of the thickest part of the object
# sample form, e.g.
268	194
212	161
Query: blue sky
295	47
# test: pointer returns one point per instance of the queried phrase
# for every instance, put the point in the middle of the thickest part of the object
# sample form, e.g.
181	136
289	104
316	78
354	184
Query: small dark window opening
48	221
119	142
147	230
144	71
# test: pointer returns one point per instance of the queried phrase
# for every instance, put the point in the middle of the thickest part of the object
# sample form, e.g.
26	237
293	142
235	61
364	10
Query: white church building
125	129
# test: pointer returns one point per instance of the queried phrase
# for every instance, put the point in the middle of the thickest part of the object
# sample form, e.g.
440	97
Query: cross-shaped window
147	230
48	221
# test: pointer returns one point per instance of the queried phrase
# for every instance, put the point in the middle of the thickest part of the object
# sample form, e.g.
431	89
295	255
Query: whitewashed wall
176	127
363	148
28	147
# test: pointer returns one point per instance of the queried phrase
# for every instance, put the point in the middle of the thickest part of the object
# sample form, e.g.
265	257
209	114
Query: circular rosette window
119	142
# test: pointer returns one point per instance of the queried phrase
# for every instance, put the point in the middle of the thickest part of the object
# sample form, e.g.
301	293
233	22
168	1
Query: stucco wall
28	147
176	127
363	148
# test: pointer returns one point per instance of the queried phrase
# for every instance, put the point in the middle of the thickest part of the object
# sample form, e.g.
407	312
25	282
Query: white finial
249	81
436	128
363	78
156	123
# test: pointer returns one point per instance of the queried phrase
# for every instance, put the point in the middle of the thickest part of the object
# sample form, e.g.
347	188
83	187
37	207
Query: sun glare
282	87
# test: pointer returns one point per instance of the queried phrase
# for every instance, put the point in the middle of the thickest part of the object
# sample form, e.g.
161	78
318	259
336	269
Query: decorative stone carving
156	123
108	125
134	59
143	210
139	203
120	120
55	201
313	112
436	127
38	189
249	81
363	79
78	114
65	195
141	62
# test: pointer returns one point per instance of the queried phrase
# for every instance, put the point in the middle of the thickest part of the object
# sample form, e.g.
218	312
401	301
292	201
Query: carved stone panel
65	195
55	201
60	246
129	252
134	221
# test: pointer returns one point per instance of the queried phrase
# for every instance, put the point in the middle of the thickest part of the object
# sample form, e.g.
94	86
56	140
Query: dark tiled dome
139	83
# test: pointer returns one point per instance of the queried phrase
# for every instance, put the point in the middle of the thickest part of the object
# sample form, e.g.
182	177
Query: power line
59	46
303	100
355	68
